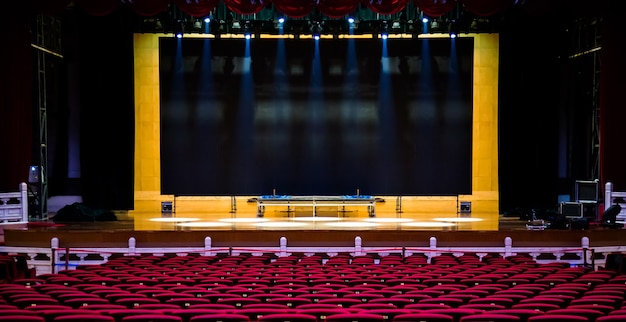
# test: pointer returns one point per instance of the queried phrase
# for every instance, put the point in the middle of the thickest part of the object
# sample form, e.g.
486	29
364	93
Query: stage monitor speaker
571	209
586	191
166	207
466	207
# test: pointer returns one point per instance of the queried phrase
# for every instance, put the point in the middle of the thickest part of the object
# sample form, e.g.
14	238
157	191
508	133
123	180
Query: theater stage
240	225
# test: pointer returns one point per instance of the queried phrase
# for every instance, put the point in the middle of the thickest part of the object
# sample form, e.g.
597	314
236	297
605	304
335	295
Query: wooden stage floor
241	230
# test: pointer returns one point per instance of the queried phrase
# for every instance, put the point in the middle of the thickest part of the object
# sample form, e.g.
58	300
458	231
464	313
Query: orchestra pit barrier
55	258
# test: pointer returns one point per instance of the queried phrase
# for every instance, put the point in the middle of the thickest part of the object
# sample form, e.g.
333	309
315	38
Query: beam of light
316	123
280	112
387	119
244	131
425	110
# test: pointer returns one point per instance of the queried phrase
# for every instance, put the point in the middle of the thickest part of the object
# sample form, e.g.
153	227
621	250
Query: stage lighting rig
316	29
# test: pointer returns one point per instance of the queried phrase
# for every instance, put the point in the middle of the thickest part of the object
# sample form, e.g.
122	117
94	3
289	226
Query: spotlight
384	35
425	20
216	27
248	29
351	20
281	20
207	20
316	37
178	29
454	29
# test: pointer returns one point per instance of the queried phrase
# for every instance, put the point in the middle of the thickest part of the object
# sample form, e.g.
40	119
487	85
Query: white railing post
585	254
283	246
608	190
433	248
508	247
54	257
132	243
358	246
24	201
207	246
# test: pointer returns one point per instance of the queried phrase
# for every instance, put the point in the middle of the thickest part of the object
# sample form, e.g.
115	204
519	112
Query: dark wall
104	56
530	65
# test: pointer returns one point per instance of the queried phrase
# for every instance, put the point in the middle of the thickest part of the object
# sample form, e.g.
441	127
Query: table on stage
316	201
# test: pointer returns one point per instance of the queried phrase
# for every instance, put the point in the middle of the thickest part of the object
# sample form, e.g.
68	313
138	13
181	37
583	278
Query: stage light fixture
197	24
207	20
247	31
453	29
350	20
178	29
425	20
281	20
434	26
316	29
396	25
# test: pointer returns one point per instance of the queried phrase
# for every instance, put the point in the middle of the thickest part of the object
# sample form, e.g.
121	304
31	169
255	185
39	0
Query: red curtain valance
337	8
435	8
197	8
386	7
246	7
301	8
294	8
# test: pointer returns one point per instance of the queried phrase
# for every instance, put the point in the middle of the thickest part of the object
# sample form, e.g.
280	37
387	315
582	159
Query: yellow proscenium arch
484	198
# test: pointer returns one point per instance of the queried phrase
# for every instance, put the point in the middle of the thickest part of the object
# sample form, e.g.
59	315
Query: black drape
105	59
16	96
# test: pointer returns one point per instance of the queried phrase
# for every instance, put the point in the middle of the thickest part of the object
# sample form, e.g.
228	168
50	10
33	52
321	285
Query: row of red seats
392	288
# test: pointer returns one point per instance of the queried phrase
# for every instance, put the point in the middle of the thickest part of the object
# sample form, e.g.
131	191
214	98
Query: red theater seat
22	318
612	318
84	318
423	317
355	317
456	313
558	318
152	318
219	318
288	317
